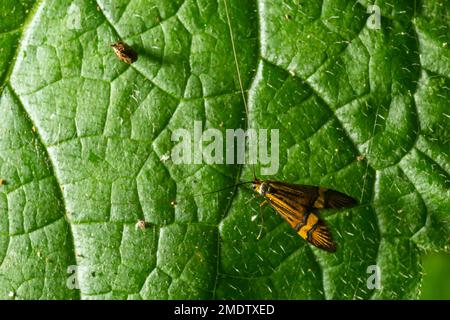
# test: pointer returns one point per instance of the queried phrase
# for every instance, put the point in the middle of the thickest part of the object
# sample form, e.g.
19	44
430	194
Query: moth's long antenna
244	98
229	187
235	57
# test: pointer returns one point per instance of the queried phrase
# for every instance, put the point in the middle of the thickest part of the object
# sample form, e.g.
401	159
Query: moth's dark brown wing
303	195
311	196
335	199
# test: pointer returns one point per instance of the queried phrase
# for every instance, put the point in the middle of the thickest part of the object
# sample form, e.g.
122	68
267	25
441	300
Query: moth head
261	187
264	188
256	184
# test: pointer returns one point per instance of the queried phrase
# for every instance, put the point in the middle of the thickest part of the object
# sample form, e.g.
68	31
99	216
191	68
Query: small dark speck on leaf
124	52
141	224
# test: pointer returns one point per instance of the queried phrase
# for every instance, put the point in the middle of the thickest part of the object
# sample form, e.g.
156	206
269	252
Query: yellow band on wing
310	223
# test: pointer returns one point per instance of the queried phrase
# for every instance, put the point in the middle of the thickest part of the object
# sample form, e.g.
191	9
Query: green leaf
436	284
85	139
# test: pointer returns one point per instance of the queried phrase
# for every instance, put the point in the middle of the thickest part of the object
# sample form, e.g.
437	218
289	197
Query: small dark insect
2	182
141	224
124	52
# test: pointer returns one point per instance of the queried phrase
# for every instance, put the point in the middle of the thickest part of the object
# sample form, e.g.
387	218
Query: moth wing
293	213
314	197
335	199
307	225
320	236
303	195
